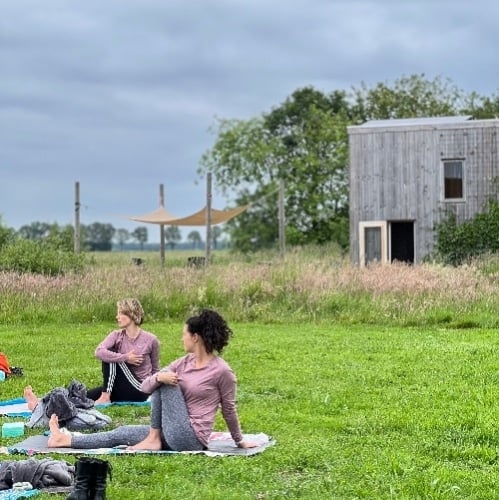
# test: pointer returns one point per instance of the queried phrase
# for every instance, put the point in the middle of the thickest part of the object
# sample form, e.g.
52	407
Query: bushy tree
6	234
39	257
172	236
407	97
59	237
195	238
140	235
304	143
35	231
122	236
98	236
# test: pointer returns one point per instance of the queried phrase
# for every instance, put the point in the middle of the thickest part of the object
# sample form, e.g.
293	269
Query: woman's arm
106	350
166	375
227	387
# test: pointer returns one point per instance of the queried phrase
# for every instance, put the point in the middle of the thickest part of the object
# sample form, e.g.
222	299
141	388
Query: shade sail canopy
161	216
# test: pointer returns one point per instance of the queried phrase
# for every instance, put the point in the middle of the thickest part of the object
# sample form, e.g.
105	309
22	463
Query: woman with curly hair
185	398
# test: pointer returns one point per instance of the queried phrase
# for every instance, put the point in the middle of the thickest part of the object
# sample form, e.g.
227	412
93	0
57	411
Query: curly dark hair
212	328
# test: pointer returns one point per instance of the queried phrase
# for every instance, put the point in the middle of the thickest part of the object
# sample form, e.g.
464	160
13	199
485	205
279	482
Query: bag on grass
74	410
4	364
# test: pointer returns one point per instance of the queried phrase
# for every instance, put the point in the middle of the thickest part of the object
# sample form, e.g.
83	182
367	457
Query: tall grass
307	286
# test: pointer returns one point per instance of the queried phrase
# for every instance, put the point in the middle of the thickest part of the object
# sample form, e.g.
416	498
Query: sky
122	96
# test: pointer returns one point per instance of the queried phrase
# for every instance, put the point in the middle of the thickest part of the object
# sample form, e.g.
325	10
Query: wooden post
208	220
162	227
282	221
77	218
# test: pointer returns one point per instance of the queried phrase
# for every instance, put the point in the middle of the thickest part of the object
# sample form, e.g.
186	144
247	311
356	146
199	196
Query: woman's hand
169	378
134	359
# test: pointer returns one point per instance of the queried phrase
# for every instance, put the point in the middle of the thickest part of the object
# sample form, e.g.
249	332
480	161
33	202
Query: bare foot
30	397
57	438
105	398
151	442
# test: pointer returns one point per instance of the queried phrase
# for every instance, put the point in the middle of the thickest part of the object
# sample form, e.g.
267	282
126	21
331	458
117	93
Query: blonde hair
131	308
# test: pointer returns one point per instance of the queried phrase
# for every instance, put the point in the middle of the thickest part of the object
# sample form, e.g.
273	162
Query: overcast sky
120	95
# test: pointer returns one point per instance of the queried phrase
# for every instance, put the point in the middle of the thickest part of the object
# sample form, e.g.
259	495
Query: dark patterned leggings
168	413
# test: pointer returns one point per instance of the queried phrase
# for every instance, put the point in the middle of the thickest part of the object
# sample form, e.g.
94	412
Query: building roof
402	122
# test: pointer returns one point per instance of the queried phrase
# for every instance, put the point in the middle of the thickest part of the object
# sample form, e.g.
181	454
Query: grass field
357	412
378	383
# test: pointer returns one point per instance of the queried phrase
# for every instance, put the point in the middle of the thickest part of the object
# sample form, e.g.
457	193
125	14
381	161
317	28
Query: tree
303	142
98	236
6	234
34	231
58	237
195	238
61	237
408	97
140	235
216	232
172	236
122	236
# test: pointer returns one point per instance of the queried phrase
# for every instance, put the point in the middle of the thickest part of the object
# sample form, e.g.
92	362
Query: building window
453	179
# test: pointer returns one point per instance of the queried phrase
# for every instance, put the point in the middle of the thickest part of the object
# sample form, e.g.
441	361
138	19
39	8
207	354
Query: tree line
100	236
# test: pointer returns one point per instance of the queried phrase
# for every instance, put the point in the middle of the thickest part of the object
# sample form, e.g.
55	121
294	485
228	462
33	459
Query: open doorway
402	241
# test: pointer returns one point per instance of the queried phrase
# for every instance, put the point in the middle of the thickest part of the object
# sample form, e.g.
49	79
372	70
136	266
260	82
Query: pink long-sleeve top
115	347
205	390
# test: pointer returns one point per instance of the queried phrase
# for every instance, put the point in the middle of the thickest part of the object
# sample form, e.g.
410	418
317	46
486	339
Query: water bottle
2	375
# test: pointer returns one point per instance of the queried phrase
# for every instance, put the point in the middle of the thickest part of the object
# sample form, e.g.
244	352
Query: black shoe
102	469
83	487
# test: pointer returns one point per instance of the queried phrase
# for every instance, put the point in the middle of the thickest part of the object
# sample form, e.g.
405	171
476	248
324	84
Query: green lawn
357	411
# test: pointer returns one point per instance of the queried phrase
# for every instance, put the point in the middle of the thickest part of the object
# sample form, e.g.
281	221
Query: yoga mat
220	444
15	494
14	408
19	408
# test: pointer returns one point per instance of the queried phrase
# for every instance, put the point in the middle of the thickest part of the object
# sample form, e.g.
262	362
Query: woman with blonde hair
128	354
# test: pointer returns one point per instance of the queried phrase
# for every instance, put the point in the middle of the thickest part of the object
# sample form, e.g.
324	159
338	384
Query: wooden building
407	174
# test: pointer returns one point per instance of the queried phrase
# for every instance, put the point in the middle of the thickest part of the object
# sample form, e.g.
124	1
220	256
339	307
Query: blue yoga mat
18	407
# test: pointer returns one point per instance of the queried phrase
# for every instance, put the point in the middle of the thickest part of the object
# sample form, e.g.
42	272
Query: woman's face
123	320
188	339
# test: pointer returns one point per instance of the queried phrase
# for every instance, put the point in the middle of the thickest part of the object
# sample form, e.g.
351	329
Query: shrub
38	257
458	243
6	235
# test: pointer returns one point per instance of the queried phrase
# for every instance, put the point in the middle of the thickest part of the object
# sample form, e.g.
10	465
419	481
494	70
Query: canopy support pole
77	232
162	227
282	221
208	220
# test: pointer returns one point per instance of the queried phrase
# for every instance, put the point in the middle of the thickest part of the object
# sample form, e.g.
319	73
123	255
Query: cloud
120	95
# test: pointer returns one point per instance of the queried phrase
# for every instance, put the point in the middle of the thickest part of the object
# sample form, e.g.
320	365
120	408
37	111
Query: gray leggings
168	413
